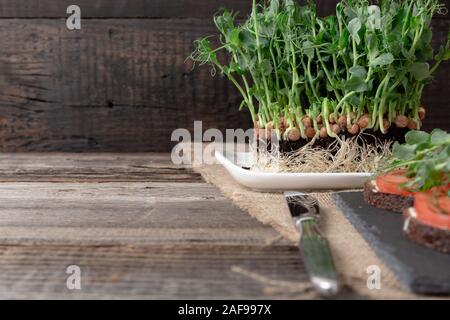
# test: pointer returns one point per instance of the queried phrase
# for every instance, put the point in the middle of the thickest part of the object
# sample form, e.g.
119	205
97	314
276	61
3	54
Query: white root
342	156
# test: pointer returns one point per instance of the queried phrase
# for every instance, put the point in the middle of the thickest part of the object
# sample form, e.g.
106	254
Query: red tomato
392	183
433	208
444	204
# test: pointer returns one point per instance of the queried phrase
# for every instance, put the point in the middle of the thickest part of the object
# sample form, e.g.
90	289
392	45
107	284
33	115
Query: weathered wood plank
111	213
105	237
85	207
120	162
74	174
117	85
436	97
135	240
130	205
159	240
92	167
149	272
120	9
138	8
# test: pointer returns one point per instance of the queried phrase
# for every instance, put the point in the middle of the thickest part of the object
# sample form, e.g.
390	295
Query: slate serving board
421	269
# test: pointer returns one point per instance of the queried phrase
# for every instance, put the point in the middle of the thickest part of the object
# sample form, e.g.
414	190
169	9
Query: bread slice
435	238
386	201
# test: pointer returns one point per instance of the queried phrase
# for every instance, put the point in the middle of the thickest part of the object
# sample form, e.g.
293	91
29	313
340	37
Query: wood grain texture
34	167
139	8
132	239
117	85
115	213
436	96
120	9
148	272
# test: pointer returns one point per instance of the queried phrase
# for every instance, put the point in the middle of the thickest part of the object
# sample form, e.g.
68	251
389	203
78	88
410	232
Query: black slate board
421	269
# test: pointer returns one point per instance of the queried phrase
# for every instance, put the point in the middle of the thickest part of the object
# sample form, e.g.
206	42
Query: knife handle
318	260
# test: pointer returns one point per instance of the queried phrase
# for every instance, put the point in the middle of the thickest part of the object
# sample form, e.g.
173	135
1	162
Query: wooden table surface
137	226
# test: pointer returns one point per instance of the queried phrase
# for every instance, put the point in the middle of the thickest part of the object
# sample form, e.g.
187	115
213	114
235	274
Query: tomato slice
432	209
392	183
444	204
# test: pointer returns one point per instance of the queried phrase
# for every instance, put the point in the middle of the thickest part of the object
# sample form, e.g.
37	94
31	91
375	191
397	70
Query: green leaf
308	49
356	84
354	27
382	60
395	44
358	71
404	151
374	20
234	67
372	43
273	9
349	12
420	70
289	4
354	100
266	67
426	37
417	137
247	40
343	40
235	38
426	53
399	19
439	136
331	21
444	54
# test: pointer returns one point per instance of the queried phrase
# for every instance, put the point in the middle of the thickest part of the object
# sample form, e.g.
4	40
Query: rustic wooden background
121	83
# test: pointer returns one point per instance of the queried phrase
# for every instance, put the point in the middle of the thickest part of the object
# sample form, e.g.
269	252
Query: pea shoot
426	157
307	77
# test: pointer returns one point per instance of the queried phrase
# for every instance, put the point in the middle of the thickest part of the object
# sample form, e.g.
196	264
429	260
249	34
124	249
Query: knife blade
314	247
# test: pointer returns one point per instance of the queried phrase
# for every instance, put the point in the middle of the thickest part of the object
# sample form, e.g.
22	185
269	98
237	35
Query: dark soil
368	137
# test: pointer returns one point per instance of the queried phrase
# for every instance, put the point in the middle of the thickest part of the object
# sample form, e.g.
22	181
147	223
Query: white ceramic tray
266	181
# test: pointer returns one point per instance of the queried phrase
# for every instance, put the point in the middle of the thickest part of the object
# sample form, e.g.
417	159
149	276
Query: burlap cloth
351	252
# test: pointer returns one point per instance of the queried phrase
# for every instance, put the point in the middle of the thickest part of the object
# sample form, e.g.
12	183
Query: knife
314	247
